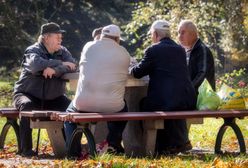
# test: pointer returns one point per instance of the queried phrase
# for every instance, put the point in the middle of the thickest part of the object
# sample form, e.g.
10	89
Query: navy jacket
170	87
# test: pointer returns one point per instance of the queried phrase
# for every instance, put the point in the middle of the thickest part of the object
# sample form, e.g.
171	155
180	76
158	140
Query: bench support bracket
10	122
82	130
231	123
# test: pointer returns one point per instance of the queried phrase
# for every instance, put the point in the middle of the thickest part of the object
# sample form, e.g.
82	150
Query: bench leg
10	122
55	134
230	122
91	145
57	141
150	135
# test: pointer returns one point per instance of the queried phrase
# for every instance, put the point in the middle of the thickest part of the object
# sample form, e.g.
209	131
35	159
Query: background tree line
20	22
223	25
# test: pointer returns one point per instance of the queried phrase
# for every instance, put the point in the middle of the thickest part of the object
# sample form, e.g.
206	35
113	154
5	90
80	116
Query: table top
131	81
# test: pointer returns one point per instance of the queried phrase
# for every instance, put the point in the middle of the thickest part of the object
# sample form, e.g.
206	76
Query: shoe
84	156
101	147
104	147
115	150
29	153
180	149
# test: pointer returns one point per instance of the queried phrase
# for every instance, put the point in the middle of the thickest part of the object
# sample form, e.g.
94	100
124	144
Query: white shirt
102	78
188	52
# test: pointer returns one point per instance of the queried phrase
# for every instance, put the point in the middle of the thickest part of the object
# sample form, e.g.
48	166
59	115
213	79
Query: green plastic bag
207	99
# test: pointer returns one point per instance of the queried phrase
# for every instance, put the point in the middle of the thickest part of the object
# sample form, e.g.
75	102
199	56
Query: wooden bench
53	128
41	120
12	116
151	120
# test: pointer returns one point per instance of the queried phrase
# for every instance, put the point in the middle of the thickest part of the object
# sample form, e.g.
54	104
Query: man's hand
48	72
133	62
71	65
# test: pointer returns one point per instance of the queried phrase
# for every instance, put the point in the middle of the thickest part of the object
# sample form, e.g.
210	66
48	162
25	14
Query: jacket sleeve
201	67
145	66
34	63
62	69
67	57
211	69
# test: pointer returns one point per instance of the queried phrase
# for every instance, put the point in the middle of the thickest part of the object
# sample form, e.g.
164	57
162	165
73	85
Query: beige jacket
102	79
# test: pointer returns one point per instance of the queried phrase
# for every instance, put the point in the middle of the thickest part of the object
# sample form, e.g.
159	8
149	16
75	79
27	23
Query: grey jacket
36	58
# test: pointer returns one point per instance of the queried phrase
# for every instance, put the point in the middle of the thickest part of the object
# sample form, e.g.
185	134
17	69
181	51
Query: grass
6	90
202	137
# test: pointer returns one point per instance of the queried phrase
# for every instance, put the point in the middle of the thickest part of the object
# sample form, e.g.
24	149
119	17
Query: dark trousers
116	129
175	132
114	136
24	102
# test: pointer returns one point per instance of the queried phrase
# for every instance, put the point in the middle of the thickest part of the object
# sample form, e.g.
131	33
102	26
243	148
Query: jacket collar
165	38
108	39
197	44
44	50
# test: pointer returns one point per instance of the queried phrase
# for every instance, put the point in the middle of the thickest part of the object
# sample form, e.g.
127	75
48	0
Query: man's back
103	74
169	87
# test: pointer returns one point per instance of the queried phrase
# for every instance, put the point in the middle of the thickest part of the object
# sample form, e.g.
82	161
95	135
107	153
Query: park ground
202	138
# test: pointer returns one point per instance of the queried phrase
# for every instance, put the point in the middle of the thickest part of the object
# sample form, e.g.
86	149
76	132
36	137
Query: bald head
187	33
189	25
97	33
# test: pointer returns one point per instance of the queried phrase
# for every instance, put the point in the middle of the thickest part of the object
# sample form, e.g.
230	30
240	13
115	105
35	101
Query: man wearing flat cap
101	86
169	89
40	86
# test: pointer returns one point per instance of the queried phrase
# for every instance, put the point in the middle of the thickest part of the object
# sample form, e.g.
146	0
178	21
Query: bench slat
93	117
9	112
86	117
37	114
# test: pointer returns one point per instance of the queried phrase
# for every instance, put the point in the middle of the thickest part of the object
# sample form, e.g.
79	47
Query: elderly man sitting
199	57
101	85
170	88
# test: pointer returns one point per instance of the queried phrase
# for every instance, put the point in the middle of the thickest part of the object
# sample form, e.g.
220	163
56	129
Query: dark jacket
201	65
36	58
169	87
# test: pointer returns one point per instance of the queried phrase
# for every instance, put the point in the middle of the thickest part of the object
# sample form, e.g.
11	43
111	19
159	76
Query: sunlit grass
204	135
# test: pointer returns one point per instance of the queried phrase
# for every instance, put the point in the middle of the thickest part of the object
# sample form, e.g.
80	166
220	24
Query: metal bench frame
12	116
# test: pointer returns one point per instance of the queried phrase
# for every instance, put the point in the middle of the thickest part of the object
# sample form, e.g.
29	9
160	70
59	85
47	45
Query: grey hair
189	25
40	38
163	33
110	37
96	32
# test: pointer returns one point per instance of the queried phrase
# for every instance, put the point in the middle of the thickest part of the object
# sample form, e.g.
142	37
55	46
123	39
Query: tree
221	25
20	22
17	28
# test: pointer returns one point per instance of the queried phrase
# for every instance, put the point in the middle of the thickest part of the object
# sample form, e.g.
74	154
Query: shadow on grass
205	155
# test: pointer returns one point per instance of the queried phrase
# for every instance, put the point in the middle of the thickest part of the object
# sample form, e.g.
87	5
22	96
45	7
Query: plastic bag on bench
231	98
207	99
